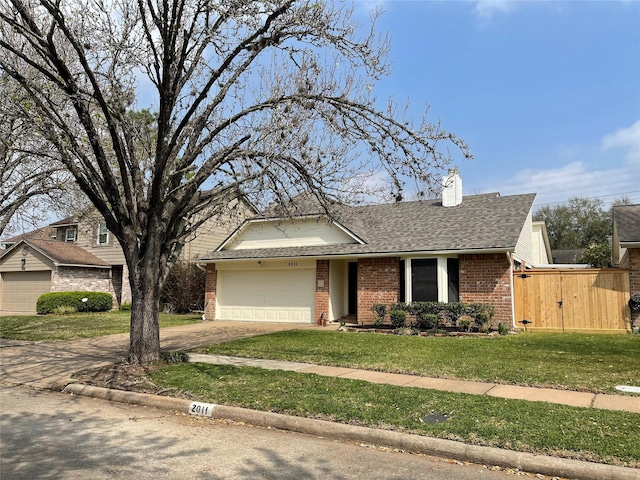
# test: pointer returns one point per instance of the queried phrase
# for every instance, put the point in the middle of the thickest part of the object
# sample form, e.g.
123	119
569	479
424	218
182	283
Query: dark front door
353	288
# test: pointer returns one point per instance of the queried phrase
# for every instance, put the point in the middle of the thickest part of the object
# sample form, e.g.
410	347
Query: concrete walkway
49	365
565	397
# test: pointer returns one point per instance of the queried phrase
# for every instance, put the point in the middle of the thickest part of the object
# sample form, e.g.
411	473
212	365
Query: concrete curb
542	464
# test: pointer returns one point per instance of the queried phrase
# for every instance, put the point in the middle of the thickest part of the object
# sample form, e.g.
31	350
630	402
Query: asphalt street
55	435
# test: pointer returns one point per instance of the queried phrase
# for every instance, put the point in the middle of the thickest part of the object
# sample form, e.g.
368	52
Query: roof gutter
80	265
630	244
419	253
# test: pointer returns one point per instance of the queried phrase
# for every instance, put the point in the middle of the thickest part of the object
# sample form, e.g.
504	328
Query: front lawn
595	363
586	434
78	325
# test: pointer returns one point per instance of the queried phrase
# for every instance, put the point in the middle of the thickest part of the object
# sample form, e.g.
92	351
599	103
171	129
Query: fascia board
412	254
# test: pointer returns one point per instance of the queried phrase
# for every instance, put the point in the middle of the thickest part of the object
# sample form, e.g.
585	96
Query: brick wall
634	280
210	286
126	286
69	279
322	290
487	279
378	282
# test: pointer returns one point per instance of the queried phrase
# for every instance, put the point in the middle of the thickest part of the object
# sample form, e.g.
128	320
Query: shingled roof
627	220
63	253
479	223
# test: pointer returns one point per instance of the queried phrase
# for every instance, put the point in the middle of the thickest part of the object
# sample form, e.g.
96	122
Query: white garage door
20	290
282	295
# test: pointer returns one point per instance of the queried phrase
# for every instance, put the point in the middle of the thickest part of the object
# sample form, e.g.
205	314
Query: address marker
203	409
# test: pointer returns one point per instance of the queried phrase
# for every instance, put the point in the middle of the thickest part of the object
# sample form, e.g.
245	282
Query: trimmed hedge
431	314
95	301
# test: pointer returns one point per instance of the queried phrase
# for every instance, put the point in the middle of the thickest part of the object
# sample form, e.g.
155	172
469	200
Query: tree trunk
144	339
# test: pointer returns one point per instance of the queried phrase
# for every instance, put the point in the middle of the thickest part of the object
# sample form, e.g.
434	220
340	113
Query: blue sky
546	93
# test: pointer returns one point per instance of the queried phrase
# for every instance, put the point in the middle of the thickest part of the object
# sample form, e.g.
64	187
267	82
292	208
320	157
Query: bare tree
259	99
32	180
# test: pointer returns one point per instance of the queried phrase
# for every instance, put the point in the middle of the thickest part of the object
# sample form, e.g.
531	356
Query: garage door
20	290
283	295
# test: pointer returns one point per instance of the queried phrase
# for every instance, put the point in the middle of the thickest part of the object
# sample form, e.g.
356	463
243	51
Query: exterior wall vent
452	189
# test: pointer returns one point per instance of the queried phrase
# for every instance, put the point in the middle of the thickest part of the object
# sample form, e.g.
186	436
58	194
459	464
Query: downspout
513	301
201	267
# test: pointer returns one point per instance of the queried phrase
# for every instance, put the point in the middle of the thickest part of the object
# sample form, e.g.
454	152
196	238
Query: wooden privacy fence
580	300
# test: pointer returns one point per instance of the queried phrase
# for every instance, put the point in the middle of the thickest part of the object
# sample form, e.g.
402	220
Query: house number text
204	409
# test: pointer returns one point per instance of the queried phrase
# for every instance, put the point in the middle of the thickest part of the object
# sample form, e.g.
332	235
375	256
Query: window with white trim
103	234
71	235
433	279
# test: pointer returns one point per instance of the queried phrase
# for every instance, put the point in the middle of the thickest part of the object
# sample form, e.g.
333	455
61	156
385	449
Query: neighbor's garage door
282	295
20	290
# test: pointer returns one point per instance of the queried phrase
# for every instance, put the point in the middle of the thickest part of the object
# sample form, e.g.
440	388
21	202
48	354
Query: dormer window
71	235
103	234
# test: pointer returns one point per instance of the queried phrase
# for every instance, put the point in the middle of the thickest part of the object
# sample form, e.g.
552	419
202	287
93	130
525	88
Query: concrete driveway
41	364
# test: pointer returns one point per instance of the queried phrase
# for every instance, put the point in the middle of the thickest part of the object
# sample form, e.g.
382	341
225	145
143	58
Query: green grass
595	363
543	428
80	325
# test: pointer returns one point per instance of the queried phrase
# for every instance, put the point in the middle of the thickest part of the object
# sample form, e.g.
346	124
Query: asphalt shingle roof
627	218
480	222
64	253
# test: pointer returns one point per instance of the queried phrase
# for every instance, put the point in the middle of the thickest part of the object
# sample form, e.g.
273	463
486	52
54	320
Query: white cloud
576	179
366	7
625	139
607	173
486	10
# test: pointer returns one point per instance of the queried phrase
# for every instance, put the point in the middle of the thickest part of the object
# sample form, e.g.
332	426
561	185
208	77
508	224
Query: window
429	280
71	235
103	234
424	280
453	279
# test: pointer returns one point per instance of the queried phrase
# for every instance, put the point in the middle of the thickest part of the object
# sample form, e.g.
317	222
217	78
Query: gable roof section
62	253
627	223
44	233
479	223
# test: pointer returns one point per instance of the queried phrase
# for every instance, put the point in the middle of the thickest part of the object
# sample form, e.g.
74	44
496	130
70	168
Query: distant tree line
581	223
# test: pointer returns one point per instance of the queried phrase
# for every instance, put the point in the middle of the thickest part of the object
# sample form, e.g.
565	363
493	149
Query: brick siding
70	279
378	282
211	284
487	279
322	291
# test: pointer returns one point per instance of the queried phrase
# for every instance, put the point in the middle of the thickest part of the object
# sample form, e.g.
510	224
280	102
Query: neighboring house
540	246
309	268
77	254
626	247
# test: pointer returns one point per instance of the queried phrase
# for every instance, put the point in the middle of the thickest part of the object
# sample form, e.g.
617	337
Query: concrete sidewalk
565	397
50	364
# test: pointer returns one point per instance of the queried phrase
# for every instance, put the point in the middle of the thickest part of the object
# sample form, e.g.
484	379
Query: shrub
398	318
380	310
81	301
503	328
125	306
174	357
465	322
184	289
482	321
427	321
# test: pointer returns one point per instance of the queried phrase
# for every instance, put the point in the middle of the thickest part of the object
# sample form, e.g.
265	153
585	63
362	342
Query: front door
353	288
